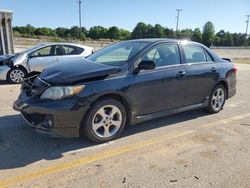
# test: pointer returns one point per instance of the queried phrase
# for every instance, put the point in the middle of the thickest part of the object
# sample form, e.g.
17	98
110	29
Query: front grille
38	86
34	85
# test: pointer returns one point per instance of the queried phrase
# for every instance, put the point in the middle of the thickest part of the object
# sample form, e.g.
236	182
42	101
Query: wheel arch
21	67
225	84
121	98
117	96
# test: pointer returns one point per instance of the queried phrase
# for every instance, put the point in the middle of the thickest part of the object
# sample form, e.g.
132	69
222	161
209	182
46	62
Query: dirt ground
192	149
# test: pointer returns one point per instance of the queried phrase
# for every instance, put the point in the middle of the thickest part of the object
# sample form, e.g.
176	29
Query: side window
72	50
209	58
194	54
42	52
58	51
164	55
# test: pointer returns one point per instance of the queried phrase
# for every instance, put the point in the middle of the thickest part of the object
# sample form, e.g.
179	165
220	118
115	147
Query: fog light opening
48	123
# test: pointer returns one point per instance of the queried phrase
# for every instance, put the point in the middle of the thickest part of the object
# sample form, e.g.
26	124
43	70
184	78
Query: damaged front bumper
54	118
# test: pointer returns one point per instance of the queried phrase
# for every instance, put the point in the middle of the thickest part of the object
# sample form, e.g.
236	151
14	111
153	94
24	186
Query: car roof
61	43
159	40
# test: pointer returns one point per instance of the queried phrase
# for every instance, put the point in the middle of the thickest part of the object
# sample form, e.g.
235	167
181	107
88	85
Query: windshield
33	48
118	54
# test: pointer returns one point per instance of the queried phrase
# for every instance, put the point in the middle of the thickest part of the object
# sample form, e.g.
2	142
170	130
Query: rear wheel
217	99
16	75
105	121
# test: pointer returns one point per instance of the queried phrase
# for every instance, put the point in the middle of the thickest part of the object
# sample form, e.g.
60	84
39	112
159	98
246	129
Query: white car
13	68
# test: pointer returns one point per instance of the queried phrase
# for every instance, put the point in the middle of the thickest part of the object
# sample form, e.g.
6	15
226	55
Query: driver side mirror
35	54
145	65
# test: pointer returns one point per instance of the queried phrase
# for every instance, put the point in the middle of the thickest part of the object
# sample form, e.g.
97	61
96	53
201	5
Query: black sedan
125	83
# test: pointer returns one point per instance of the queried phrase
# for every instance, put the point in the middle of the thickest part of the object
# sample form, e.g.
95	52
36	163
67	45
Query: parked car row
13	68
125	83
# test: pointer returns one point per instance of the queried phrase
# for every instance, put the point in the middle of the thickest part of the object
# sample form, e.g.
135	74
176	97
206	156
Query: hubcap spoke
102	113
114	111
106	132
116	123
96	126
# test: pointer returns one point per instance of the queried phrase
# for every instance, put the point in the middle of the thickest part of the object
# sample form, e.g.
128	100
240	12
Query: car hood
76	70
6	57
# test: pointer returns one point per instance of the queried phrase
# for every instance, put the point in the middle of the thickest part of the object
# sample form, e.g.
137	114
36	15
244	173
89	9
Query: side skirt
140	119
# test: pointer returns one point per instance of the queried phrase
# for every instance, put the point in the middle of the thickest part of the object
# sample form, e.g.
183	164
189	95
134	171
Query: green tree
197	36
228	39
217	41
185	34
125	35
140	31
150	31
97	32
44	31
208	34
169	33
158	31
114	33
62	32
30	30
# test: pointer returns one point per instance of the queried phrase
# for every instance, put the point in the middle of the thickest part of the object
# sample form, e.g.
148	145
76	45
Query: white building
6	33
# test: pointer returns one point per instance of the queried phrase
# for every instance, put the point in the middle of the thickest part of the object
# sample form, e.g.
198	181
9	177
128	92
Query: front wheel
16	75
217	99
105	121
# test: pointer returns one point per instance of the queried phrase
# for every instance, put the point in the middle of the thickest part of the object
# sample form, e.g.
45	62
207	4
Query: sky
225	14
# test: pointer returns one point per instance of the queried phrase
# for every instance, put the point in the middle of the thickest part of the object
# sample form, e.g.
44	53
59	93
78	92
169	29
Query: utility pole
247	28
80	17
178	16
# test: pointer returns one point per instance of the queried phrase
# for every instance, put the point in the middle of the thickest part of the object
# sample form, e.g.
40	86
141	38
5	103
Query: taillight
235	69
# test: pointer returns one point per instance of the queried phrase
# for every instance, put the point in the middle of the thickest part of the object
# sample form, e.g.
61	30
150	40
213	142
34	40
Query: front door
44	57
164	88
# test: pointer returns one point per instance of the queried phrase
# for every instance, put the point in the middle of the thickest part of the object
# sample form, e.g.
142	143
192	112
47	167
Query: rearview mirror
145	65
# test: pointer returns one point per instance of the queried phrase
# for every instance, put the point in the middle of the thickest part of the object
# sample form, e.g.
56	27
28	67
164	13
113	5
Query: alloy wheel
107	121
218	99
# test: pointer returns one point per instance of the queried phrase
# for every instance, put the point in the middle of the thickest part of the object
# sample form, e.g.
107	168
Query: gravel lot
192	149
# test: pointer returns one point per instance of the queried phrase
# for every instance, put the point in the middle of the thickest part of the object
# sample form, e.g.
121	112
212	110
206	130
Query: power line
178	16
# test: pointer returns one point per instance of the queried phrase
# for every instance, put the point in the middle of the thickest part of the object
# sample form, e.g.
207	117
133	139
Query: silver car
13	68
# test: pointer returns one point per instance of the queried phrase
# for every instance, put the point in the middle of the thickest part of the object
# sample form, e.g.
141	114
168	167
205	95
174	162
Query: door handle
57	59
181	74
213	69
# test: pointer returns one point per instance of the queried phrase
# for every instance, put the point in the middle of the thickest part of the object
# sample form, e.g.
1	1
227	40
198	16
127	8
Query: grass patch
242	61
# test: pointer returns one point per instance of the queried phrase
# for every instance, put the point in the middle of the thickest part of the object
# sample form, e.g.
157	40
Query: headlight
57	93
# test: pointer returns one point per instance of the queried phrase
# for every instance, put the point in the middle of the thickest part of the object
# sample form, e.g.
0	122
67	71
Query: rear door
202	73
163	88
44	57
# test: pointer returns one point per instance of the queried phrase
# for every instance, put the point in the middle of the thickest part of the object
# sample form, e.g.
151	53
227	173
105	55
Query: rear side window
72	50
194	54
164	55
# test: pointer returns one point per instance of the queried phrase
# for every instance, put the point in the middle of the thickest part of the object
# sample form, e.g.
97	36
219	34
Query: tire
217	99
16	75
105	121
